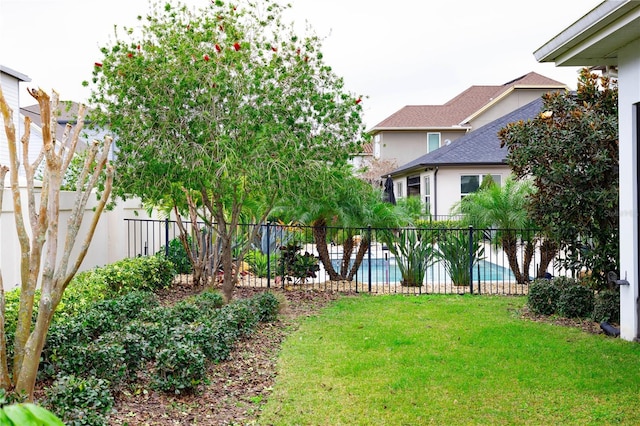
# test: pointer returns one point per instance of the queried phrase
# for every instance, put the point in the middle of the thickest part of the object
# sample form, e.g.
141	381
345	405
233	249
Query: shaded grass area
440	359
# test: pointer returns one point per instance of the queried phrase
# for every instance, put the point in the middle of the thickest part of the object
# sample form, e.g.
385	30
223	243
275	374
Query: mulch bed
239	386
236	387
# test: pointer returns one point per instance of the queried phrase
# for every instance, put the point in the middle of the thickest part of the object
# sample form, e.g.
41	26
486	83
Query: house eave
454	127
422	166
596	37
14	73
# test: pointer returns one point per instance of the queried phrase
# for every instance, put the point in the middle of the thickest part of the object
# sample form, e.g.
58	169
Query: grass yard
399	360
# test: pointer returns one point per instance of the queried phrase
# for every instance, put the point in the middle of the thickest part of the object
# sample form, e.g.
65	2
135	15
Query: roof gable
480	147
464	105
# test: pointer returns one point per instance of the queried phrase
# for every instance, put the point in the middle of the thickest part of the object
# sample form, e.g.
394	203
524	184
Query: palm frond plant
414	253
453	250
503	209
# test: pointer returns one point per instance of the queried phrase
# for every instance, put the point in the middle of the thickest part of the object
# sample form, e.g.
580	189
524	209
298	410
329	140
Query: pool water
386	271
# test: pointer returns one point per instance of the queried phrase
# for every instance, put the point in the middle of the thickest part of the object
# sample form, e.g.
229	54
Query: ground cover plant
446	359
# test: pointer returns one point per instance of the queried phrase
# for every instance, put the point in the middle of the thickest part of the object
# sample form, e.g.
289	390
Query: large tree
570	150
48	267
226	104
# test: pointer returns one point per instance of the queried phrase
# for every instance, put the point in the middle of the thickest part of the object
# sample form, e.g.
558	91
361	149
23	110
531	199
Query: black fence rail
372	260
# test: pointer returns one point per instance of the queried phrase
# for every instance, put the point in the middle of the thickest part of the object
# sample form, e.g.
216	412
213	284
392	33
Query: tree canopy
571	151
226	104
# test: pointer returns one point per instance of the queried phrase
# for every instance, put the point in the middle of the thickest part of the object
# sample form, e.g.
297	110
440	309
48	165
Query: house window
413	186
471	183
399	190
427	194
376	146
433	141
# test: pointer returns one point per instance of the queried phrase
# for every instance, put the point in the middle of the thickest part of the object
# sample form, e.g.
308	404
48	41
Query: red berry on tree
97	64
218	48
206	57
236	46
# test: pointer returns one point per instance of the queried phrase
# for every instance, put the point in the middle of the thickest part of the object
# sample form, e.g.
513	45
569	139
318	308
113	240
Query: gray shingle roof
479	147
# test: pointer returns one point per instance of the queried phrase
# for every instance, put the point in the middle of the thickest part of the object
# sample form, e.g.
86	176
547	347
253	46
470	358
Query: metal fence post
268	256
369	254
471	258
166	237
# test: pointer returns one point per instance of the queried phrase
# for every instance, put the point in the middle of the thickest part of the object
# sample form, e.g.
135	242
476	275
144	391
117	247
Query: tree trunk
548	251
26	378
320	237
510	246
347	249
529	251
362	250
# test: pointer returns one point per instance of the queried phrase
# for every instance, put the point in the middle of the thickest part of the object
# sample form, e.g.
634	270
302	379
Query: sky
392	53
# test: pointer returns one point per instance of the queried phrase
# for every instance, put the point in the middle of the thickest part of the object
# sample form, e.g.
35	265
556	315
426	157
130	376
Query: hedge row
95	353
568	298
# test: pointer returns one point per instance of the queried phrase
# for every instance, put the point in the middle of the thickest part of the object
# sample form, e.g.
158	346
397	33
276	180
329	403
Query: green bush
543	296
149	273
258	265
103	358
267	306
575	301
83	291
606	306
180	367
80	401
178	256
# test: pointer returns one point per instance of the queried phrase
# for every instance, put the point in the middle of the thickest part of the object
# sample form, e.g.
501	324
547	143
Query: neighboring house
10	81
416	130
442	177
608	37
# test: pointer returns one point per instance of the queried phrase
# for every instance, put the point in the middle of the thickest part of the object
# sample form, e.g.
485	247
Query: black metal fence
373	260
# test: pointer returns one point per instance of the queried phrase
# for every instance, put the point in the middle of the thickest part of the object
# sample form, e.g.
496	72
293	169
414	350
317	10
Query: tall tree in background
59	262
226	104
571	152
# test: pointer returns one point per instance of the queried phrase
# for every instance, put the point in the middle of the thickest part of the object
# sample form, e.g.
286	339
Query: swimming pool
386	271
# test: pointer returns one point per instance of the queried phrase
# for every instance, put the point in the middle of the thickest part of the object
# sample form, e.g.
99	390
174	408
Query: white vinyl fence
109	242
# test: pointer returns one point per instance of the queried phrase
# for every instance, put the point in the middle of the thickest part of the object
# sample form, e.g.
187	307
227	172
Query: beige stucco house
608	37
442	177
416	130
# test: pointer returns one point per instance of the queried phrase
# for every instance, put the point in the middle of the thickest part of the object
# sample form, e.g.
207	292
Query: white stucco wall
109	244
629	94
447	180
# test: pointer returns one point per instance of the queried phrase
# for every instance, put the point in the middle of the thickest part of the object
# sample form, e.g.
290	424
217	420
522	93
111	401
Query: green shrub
149	273
241	315
575	301
606	306
258	265
180	367
178	256
80	401
208	302
543	296
267	306
103	358
297	267
83	291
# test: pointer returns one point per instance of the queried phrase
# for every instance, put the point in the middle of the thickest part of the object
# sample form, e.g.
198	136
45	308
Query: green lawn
450	360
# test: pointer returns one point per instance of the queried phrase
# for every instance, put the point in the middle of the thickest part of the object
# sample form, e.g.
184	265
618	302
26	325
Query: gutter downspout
435	193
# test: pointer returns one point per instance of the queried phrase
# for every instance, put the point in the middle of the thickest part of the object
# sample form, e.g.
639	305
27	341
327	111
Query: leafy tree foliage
216	107
571	151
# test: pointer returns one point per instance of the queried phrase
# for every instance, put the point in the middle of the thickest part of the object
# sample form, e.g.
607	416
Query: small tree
58	264
570	150
217	107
